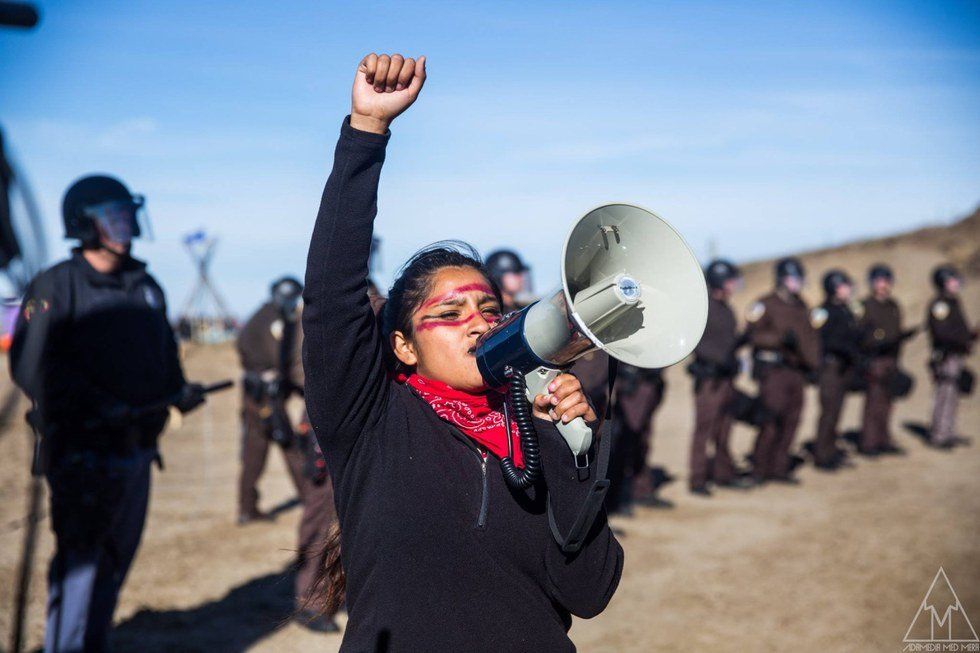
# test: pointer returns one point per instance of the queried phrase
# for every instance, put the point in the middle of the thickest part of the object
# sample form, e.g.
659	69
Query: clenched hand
384	86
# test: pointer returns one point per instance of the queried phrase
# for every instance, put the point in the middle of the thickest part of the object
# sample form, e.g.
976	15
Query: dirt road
840	563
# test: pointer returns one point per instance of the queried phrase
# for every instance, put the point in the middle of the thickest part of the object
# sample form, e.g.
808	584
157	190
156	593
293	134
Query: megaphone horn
630	286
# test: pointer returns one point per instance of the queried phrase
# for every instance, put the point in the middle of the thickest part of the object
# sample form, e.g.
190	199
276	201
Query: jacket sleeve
582	582
41	362
346	385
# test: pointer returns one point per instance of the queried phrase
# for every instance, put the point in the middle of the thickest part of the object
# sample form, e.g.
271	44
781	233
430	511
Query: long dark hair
411	287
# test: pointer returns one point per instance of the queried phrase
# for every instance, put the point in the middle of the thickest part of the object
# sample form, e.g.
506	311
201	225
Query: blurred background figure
714	370
840	338
952	340
95	353
270	349
638	394
786	351
319	516
881	323
513	278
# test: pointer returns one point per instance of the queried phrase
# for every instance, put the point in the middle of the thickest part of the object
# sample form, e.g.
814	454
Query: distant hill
912	255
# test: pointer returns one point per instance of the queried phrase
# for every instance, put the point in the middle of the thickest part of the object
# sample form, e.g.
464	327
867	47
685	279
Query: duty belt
769	356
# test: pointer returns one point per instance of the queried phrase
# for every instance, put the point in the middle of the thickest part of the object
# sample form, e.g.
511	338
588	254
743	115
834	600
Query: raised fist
384	86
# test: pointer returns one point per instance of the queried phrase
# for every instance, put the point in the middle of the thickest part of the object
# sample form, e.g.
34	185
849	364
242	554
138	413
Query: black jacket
440	555
948	328
840	334
714	357
86	341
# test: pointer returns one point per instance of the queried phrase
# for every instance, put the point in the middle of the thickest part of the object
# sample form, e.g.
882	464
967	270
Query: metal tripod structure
204	304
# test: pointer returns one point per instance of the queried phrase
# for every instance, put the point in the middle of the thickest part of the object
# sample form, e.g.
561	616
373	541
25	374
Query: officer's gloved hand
790	341
908	333
191	396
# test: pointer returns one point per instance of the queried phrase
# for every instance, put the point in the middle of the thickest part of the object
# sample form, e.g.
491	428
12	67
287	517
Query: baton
145	410
173	399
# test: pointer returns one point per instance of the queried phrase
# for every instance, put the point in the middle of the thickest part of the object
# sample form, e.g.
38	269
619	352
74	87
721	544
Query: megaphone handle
576	433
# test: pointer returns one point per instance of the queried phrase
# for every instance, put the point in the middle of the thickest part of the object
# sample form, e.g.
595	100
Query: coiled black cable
521	479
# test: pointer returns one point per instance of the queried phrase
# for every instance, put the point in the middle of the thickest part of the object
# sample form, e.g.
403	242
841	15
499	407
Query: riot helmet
719	271
100	207
287	293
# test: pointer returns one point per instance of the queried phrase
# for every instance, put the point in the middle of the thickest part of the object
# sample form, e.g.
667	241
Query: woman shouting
439	554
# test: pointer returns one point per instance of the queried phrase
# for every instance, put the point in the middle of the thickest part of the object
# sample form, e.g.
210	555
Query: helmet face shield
115	220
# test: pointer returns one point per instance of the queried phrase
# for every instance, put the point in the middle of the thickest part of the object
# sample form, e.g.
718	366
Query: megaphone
630	286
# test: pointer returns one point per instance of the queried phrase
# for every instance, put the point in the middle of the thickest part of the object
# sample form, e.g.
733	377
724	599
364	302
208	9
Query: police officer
510	274
270	348
94	351
714	369
786	350
952	341
638	394
840	337
882	342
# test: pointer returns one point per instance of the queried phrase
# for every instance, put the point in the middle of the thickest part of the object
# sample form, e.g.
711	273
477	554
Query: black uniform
840	338
87	343
88	347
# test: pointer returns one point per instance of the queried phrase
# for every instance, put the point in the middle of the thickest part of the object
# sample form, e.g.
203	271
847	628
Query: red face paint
458	291
432	324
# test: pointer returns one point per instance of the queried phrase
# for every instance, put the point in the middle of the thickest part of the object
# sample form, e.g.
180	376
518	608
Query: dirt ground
839	563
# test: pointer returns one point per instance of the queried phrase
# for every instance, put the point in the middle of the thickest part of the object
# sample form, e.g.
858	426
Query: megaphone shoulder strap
592	504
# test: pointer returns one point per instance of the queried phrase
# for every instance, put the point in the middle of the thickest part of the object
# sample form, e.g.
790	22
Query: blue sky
756	129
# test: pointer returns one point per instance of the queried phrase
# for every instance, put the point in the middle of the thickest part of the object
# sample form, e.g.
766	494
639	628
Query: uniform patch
276	329
818	317
879	334
940	310
151	298
34	307
755	312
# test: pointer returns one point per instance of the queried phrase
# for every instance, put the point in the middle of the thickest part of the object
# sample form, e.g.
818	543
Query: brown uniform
786	350
319	514
952	341
639	392
883	337
714	369
259	347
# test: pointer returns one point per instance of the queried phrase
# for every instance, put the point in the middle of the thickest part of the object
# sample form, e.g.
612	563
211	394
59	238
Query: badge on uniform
150	295
940	310
276	329
34	307
818	317
755	312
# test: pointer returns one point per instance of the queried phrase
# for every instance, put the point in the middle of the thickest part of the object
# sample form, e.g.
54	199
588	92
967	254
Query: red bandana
479	416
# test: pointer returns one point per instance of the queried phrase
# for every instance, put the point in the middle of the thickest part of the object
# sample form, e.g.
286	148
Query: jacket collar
132	271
